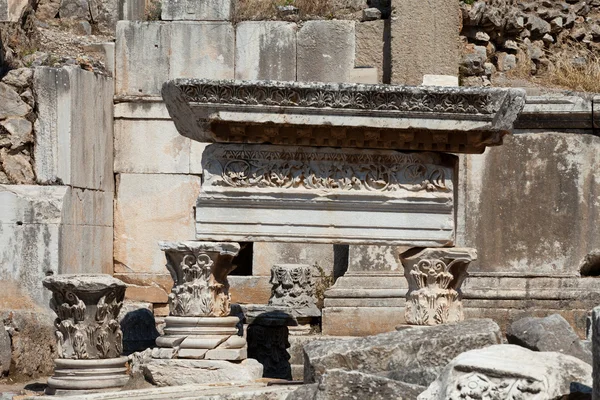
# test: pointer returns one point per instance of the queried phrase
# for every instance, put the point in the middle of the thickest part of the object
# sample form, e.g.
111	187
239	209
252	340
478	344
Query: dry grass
257	10
565	72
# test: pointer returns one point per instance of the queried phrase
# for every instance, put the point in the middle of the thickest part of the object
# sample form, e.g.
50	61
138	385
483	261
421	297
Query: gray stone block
196	10
150	53
265	50
5	351
326	51
425	40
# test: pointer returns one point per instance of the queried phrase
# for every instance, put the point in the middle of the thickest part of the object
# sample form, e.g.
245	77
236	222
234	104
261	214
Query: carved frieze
87	309
293	286
434	278
444	119
199	271
326	195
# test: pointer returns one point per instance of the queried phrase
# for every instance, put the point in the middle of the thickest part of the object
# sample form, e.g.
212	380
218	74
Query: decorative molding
434	278
293	286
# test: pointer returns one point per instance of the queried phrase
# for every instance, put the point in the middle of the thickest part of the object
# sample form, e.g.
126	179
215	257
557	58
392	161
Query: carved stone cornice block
199	271
447	119
87	309
324	195
293	286
434	278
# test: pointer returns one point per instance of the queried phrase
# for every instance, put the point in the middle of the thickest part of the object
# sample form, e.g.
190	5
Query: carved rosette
87	307
434	279
293	286
477	386
199	271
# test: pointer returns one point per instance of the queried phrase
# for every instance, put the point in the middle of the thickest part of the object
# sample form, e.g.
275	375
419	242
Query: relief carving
476	386
293	286
87	309
434	278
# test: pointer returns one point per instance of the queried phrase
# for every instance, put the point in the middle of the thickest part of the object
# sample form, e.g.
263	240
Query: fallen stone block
511	372
414	355
552	333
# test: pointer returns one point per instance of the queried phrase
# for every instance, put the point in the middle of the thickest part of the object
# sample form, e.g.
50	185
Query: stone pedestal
199	325
434	278
89	337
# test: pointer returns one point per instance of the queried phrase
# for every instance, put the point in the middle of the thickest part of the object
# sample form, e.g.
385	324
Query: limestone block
326	51
5	352
425	40
361	320
555	172
149	208
201	49
141	58
205	10
596	352
387	354
364	75
509	371
371	38
88	207
12	105
265	255
74	131
552	333
176	372
196	150
265	50
150	53
150	146
440	80
86	249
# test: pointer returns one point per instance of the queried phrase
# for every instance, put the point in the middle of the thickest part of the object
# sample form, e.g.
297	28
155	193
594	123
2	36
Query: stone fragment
286	11
78	9
370	44
425	40
20	130
537	26
339	384
265	50
511	372
552	333
472	64
548	38
389	355
5	351
185	372
47	9
20	77
371	14
293	286
11	104
326	51
596	352
17	167
28	97
12	10
505	61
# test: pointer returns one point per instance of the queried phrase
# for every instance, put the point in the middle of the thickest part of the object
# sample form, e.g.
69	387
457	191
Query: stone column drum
89	337
199	325
434	280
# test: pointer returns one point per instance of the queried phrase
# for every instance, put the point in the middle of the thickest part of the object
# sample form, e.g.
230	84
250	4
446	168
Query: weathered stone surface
150	147
12	10
265	255
361	319
225	194
19	77
596	352
370	46
249	289
5	352
425	40
17	167
389	354
184	372
11	105
460	120
440	80
142	218
47	9
20	130
339	384
74	141
508	371
150	53
78	9
326	51
556	172
209	10
552	333
293	286
434	279
265	50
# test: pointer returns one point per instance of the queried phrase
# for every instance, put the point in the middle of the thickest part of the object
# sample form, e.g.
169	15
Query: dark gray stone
414	355
552	333
5	351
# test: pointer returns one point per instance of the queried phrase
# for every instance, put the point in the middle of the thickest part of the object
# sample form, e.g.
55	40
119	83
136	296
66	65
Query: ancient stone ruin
242	199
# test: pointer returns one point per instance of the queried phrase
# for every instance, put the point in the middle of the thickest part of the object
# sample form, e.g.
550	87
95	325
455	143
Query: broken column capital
434	279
